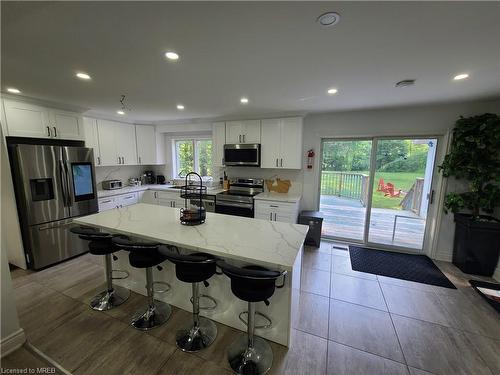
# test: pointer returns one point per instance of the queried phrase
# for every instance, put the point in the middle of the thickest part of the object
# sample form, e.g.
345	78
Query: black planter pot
476	245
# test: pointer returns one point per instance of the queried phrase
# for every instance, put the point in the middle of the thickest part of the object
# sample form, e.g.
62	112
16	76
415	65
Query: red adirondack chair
382	186
390	191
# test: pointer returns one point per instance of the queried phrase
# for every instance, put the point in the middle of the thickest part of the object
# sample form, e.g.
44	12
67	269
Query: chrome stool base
153	317
196	338
108	300
255	360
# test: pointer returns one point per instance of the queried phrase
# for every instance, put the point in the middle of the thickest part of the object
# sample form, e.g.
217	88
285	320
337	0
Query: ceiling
274	53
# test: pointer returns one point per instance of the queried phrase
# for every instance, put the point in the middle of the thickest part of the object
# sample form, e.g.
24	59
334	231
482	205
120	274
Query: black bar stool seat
100	244
251	354
194	269
146	255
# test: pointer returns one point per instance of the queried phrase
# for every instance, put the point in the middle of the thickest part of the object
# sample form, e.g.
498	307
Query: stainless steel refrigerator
53	184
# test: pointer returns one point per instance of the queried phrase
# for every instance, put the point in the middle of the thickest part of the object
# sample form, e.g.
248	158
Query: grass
401	180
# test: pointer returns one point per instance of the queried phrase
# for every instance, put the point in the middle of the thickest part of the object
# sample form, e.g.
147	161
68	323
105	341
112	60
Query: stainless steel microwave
243	154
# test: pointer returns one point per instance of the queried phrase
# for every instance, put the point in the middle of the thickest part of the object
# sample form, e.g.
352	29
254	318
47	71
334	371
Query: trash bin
315	220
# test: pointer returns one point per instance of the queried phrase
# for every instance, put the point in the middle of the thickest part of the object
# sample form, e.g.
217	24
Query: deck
344	217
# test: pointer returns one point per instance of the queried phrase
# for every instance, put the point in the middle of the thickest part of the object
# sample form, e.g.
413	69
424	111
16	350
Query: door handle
48	131
281	162
431	197
55	131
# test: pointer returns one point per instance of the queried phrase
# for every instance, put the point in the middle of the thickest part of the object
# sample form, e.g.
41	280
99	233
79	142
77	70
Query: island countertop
246	239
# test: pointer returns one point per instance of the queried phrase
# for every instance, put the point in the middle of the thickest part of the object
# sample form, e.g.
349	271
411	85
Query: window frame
194	140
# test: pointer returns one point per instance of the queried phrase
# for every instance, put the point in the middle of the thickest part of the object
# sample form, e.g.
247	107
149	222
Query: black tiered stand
193	216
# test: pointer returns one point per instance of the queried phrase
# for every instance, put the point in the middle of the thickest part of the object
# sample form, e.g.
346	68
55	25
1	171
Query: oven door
242	155
234	208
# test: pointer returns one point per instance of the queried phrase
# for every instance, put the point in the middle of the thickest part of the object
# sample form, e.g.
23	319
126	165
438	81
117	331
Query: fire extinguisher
310	159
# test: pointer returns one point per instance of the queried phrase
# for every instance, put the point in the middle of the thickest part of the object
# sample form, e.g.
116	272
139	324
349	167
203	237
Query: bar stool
145	255
251	354
195	268
101	244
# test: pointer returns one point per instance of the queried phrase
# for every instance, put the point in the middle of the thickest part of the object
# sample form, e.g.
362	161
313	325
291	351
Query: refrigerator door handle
63	183
66	172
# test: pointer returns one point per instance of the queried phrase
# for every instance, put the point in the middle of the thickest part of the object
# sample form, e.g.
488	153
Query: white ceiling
272	52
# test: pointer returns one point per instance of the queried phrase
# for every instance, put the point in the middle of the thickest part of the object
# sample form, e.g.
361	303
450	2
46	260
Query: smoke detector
405	82
328	19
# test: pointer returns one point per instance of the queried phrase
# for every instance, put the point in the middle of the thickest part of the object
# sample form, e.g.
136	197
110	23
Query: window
193	155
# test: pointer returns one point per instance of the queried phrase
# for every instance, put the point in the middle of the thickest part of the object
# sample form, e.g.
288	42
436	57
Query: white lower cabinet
276	211
117	201
163	198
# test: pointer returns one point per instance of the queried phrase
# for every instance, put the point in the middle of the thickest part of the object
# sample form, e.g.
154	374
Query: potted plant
475	157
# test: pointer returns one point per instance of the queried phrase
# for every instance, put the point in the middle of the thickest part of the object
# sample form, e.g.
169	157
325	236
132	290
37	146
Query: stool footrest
127	274
167	287
211	299
263	326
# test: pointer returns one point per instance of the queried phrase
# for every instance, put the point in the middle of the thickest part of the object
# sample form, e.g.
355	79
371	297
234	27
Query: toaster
112	184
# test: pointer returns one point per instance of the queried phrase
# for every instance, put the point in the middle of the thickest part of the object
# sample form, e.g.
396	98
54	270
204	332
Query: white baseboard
12	342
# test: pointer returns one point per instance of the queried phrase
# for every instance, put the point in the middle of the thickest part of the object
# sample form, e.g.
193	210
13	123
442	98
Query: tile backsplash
122	173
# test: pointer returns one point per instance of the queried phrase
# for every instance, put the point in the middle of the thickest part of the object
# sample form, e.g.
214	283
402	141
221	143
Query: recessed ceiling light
244	100
120	112
461	76
13	90
332	91
172	55
328	19
180	107
83	75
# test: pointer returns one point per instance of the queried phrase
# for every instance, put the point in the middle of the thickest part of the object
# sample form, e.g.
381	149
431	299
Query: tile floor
350	323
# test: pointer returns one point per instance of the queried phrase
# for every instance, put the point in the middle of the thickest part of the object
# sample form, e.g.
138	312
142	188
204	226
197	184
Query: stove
238	200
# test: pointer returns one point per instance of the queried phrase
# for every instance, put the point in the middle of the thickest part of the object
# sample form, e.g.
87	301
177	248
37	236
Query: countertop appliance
53	184
208	202
149	178
111	184
238	200
245	154
160	179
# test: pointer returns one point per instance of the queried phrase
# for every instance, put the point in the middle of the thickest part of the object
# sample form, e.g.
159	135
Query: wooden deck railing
345	184
413	198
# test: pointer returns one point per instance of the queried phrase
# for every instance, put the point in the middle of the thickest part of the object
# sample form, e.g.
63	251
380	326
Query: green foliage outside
204	157
185	151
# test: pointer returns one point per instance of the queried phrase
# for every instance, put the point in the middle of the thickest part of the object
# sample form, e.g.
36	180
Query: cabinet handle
55	131
48	131
272	205
243	138
239	138
276	162
281	162
98	160
106	201
140	160
123	160
275	217
270	216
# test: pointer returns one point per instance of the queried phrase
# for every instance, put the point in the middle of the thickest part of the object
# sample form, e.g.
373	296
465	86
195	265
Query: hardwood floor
349	323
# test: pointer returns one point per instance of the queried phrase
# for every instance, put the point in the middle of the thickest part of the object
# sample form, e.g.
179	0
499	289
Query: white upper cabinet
107	142
247	131
66	125
146	144
92	138
218	141
117	143
30	120
126	143
281	145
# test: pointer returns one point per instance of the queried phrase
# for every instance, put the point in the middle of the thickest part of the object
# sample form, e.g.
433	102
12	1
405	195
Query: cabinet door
178	202
149	197
234	131
264	211
270	143
146	144
27	120
106	204
218	141
92	138
166	202
125	143
107	142
251	131
291	143
66	125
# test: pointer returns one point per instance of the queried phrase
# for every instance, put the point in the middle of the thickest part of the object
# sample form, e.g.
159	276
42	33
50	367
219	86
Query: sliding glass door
377	191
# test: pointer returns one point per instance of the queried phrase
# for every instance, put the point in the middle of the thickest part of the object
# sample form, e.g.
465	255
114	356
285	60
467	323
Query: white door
251	131
218	141
107	142
270	143
66	125
291	143
92	137
125	143
27	120
234	131
146	144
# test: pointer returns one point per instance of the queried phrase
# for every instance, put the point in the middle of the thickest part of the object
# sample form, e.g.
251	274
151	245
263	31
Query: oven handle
234	204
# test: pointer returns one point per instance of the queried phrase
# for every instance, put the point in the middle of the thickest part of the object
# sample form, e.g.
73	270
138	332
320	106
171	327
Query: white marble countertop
251	240
279	197
131	189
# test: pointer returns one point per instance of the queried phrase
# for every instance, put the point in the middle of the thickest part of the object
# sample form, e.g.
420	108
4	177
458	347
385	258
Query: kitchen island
238	240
